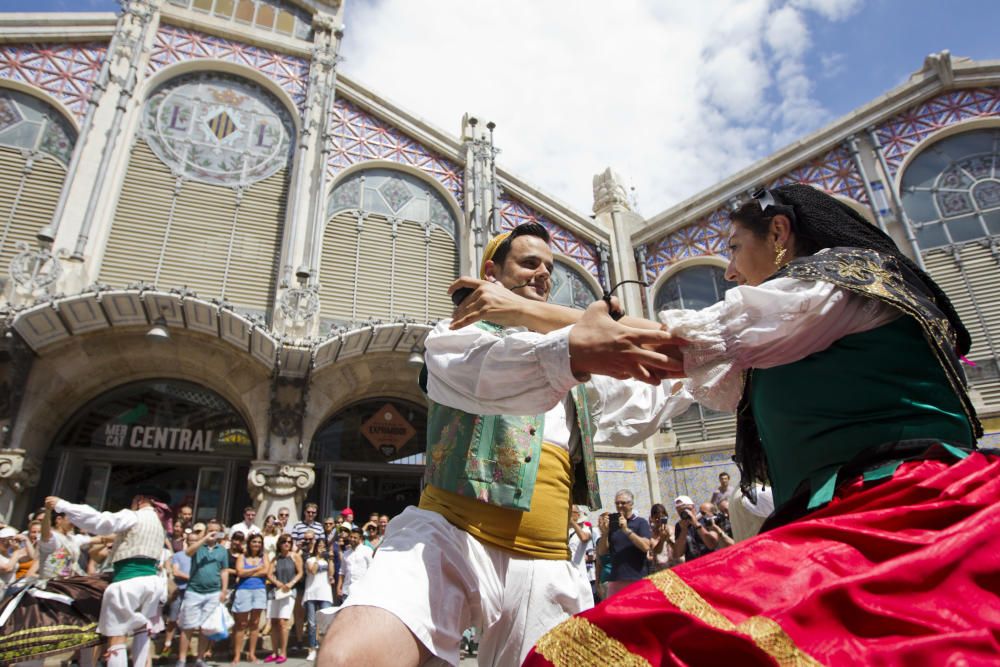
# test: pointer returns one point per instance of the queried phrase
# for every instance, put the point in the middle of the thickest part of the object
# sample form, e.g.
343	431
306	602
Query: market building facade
222	255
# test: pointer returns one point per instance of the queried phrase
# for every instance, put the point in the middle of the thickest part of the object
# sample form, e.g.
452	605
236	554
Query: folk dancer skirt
61	616
905	572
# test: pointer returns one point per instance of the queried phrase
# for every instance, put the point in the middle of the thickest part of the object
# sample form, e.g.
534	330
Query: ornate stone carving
273	482
609	190
17	471
299	304
34	270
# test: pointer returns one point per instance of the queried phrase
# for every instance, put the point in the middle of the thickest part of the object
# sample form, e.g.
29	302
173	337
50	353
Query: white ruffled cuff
713	377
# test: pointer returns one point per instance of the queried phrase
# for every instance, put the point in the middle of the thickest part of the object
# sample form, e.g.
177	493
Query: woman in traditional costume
56	611
842	360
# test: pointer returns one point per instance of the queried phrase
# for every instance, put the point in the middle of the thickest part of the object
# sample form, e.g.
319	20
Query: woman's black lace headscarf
821	221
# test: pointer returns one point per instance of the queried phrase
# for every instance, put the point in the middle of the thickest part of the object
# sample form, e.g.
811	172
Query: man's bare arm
495	303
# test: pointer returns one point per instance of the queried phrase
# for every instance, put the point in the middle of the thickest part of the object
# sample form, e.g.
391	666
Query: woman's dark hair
286	538
527	229
822	221
259	539
658	508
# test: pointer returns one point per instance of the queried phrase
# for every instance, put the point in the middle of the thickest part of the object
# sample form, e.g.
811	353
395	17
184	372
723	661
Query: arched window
36	143
951	190
569	288
204	200
389	249
178	436
692	288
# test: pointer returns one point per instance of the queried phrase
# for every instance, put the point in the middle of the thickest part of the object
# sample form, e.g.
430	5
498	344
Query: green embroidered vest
494	458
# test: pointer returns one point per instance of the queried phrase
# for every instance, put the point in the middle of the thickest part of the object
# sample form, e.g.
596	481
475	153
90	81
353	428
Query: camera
665	520
687	514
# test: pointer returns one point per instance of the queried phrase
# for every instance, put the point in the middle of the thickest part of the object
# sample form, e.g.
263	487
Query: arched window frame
946	237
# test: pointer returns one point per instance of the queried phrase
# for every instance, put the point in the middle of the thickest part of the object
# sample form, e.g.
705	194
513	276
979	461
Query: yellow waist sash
541	532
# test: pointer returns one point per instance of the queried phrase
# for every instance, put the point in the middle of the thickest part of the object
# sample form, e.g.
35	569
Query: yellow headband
490	250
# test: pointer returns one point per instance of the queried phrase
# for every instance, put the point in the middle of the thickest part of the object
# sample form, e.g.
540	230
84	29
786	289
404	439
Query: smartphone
220	535
613	522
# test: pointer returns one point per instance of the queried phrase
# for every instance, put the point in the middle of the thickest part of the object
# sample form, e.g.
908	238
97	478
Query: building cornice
18	27
921	85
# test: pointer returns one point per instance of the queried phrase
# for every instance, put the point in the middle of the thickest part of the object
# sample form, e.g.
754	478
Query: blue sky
675	96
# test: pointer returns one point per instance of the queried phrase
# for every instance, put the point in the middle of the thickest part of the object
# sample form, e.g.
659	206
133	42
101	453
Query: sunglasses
764	199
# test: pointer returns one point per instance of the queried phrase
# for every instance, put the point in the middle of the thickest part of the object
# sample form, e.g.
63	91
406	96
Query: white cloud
675	96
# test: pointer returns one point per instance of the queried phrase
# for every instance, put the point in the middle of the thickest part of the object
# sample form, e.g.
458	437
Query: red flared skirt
906	572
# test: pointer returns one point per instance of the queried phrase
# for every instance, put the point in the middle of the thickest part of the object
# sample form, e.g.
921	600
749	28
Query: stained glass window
218	129
30	124
951	191
693	288
569	288
393	194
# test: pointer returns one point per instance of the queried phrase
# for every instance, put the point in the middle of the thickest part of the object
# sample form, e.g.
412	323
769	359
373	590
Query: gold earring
779	257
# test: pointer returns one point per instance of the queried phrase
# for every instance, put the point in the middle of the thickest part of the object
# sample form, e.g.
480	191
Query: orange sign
388	430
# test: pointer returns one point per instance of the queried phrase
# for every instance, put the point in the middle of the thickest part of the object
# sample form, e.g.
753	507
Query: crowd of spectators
625	546
273	577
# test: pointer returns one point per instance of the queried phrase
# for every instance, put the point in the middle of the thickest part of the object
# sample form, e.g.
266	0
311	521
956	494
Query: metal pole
494	226
852	147
640	255
911	236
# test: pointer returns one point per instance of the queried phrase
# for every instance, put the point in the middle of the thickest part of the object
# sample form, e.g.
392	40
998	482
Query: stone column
274	486
612	210
17	473
88	208
297	304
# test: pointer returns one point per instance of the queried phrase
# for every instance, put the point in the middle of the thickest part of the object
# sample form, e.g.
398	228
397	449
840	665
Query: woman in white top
319	589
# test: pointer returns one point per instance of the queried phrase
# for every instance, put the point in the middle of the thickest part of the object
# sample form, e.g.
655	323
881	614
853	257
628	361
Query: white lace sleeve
779	322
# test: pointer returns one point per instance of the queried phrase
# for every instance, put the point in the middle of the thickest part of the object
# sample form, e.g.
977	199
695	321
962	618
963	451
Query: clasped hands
598	345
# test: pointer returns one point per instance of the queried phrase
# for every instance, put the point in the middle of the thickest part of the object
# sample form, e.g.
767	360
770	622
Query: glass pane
244	11
919	206
962	145
692	414
178	482
265	16
925	169
992	221
931	236
965	229
203	5
987	194
224	8
94	484
286	23
209	494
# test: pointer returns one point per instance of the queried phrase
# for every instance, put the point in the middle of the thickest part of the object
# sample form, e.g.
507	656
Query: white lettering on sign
161	437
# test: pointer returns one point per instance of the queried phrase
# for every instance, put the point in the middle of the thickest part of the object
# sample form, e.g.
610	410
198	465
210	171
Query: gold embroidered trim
766	633
687	600
576	641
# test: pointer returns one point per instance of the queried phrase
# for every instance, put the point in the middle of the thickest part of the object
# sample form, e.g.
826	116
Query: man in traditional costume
842	360
487	546
132	602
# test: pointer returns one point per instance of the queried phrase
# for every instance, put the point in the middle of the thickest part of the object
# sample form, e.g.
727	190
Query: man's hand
51	501
489	301
222	596
622	522
599	345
